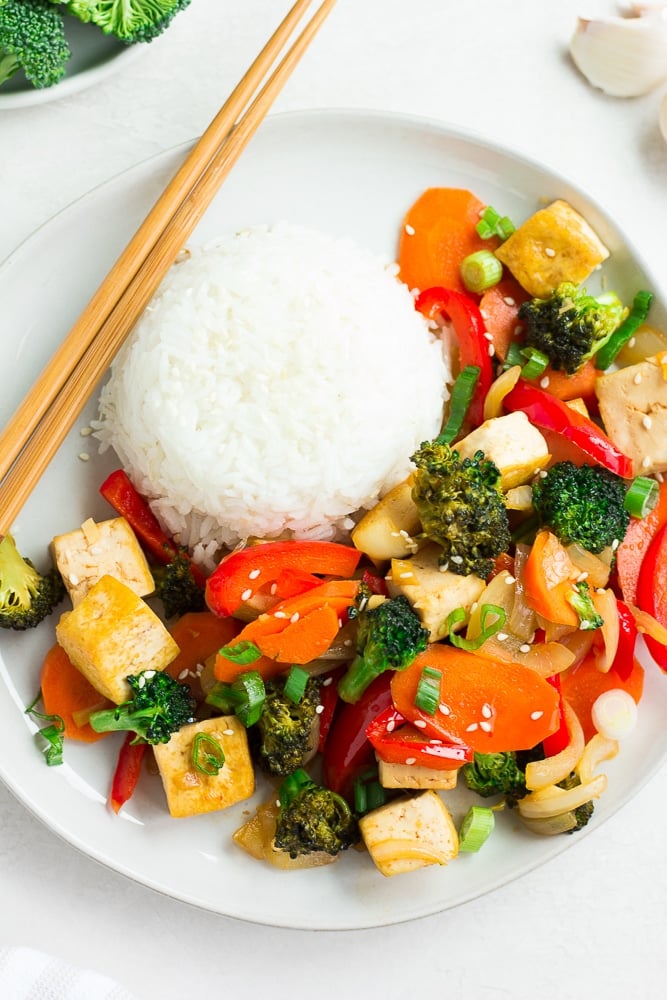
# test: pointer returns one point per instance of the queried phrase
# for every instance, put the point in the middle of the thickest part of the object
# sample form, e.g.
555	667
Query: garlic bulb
623	56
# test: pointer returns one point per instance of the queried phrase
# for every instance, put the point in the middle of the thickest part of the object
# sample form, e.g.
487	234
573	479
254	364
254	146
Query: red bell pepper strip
376	584
470	330
128	770
397	742
627	637
545	411
557	741
118	490
329	703
652	592
256	567
347	751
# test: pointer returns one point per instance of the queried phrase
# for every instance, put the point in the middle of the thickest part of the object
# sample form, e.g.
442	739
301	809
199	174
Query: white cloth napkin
28	974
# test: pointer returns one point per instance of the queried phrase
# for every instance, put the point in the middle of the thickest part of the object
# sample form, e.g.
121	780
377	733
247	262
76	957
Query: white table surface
590	923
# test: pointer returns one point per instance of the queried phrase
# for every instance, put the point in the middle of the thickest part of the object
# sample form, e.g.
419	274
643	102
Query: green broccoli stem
581	601
359	675
114	720
9	65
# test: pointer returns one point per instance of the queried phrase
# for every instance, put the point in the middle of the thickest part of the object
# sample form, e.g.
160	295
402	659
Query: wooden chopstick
37	429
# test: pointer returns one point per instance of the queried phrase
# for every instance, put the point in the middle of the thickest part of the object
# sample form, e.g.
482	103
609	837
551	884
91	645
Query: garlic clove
663	117
623	56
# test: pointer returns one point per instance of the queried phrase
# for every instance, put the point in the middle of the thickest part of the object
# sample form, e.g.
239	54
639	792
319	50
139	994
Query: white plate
95	56
349	173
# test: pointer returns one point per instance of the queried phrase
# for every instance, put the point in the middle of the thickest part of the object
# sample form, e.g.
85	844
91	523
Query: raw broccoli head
313	819
389	637
32	38
496	774
570	326
177	589
461	507
26	595
159	707
287	731
129	20
582	504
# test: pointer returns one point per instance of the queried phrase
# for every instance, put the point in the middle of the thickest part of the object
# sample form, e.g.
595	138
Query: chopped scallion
642	496
242	653
368	792
619	338
492	223
477	826
295	684
514	356
481	270
462	392
535	364
245	696
459	615
52	734
427	697
208	757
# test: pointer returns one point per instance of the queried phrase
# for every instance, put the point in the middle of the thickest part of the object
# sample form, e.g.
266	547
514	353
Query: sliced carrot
500	308
633	548
567	387
438	232
548	576
66	692
303	640
198	635
583	683
488	706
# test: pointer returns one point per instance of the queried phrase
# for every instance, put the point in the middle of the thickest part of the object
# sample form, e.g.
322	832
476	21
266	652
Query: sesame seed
253	574
543	474
183	674
536	715
444	567
518	330
273	589
227	732
295	617
486	727
502	636
472	728
488	336
410	760
246	595
550	252
646	462
509	579
544	382
391	725
73	579
647	423
491	350
406	575
86	432
637	379
582	576
509	301
457	559
84	456
319	709
419	723
659	477
445	709
279	614
410	230
632	341
473	606
524	648
327	681
487	711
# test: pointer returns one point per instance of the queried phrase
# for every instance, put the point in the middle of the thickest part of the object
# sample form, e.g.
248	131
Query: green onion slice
295	684
242	653
514	356
492	223
293	785
245	696
52	734
642	496
535	364
477	826
427	696
208	757
368	792
462	392
459	615
481	270
619	338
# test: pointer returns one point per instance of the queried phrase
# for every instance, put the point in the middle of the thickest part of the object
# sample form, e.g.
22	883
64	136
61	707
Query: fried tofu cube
415	776
555	244
386	531
188	790
112	633
99	549
512	443
633	407
433	593
410	833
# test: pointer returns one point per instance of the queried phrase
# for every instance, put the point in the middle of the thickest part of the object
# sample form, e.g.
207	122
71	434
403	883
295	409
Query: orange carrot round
66	692
198	635
499	306
582	684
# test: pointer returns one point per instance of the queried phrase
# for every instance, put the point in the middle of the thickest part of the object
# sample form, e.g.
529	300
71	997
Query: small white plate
95	56
349	173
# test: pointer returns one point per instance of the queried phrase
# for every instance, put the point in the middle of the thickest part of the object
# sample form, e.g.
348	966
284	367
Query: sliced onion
648	624
597	749
579	642
542	773
553	801
605	605
551	826
522	620
596	567
503	385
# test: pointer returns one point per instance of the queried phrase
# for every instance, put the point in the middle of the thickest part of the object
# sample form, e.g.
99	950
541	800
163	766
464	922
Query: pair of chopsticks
49	410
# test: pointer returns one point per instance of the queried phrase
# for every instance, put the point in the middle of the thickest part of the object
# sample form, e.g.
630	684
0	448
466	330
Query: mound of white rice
278	382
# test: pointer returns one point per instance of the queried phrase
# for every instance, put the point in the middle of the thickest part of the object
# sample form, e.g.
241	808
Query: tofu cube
99	549
433	593
112	633
633	407
555	244
415	776
386	531
517	448
188	791
410	833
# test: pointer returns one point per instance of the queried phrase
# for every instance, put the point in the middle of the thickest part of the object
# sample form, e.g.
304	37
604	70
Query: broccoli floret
389	636
582	813
157	709
287	731
313	819
129	20
570	326
461	507
581	601
177	588
582	504
496	774
26	595
32	39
